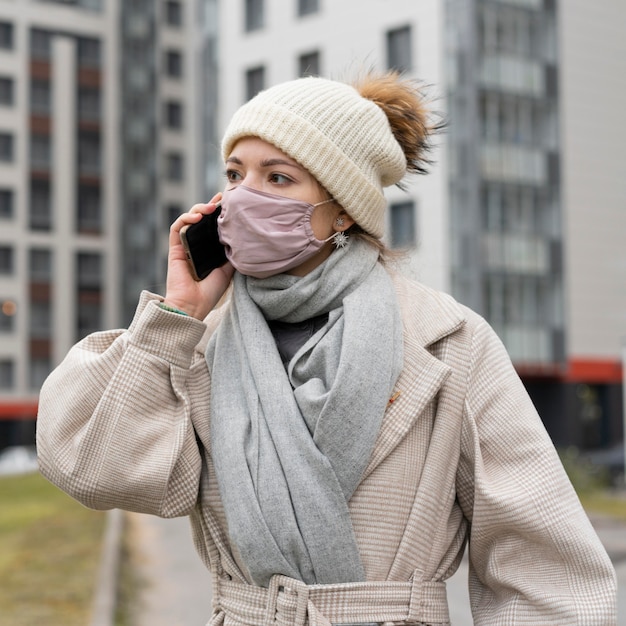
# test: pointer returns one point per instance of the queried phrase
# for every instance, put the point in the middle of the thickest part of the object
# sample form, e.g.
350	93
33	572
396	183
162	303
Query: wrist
182	308
172	309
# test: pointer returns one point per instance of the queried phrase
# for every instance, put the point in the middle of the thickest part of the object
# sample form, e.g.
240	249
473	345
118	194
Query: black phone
202	245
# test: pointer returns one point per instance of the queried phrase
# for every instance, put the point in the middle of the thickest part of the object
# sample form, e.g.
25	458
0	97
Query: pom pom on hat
343	139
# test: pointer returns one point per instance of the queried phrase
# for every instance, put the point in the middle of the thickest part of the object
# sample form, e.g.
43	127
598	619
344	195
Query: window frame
304	60
254	15
254	81
403	230
7	91
399	43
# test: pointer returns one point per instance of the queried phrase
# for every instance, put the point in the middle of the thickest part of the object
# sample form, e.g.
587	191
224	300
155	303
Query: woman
336	432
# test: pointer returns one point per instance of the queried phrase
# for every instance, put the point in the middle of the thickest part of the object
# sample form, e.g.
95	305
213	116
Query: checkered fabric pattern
461	456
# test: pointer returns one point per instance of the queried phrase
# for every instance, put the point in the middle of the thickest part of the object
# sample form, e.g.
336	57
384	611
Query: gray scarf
290	447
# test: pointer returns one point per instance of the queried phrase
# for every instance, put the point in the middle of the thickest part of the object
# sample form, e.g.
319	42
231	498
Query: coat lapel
427	317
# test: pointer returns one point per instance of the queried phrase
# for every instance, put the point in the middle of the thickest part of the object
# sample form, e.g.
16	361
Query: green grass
604	503
50	549
592	484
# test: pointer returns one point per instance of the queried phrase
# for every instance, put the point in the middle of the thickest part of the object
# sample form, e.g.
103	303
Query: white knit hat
342	139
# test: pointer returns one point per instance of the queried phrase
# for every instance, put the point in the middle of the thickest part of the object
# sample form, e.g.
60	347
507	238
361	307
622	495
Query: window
89	153
88	103
40	205
174	165
40	262
89	294
309	64
173	13
40	96
139	52
254	14
90	5
6	203
174	114
40	152
89	269
89	316
403	224
173	63
6	35
6	91
255	81
305	7
6	260
40	44
40	320
88	52
40	367
399	49
7	374
89	212
6	147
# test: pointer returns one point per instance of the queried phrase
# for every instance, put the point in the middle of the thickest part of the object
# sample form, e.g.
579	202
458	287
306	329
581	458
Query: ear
342	222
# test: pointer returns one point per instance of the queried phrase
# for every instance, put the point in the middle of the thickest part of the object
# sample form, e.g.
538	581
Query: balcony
513	75
527	344
514	164
524	254
527	4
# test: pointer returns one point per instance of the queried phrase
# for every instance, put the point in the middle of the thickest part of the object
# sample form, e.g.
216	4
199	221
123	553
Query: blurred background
111	113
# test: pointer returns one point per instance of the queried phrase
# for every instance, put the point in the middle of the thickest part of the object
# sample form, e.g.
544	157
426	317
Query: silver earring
340	221
340	240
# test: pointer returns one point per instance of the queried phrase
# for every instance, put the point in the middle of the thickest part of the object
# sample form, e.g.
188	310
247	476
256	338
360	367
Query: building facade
502	222
262	43
99	111
110	127
592	96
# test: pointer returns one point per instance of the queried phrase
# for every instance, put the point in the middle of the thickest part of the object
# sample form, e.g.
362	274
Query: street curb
105	597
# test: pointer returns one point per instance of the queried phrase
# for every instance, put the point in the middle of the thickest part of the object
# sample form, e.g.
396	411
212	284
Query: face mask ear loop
324	202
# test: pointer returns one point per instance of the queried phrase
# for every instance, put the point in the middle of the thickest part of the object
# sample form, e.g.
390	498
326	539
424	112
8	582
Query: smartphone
202	245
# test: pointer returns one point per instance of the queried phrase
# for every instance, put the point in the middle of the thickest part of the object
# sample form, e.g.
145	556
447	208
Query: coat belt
289	602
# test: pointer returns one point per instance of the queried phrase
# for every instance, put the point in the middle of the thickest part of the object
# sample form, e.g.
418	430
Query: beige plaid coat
461	457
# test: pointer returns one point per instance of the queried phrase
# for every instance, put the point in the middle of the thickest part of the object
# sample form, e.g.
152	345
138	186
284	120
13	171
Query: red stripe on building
594	371
18	410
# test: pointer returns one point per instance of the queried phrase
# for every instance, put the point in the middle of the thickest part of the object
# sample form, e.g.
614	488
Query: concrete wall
593	98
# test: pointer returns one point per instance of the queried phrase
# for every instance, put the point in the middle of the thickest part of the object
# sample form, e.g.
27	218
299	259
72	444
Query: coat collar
427	317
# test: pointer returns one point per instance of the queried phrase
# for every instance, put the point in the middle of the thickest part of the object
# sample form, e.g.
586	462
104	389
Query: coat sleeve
115	422
534	556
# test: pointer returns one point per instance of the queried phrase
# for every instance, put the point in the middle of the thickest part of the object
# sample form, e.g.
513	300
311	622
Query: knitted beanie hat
344	140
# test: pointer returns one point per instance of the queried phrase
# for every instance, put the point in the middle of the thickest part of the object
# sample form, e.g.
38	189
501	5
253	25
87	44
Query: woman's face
263	167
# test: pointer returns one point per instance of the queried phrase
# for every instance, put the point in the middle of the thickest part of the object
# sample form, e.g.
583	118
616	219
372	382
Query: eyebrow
266	162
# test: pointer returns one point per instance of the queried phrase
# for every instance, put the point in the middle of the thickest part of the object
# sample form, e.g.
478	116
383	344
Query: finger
201	207
191	217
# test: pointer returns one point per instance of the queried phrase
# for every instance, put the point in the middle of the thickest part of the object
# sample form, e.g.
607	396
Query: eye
280	179
232	176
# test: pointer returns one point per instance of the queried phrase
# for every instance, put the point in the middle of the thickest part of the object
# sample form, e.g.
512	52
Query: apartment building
111	114
99	111
263	42
592	96
500	221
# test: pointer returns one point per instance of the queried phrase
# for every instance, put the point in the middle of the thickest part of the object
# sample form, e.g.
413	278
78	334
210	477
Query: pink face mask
265	234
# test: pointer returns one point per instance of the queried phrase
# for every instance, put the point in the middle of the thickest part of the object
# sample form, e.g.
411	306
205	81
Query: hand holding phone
202	245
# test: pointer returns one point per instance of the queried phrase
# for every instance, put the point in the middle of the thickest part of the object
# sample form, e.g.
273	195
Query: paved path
177	586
